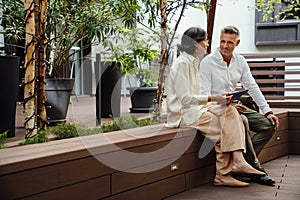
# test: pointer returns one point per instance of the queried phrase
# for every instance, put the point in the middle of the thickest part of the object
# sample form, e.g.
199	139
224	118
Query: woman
211	115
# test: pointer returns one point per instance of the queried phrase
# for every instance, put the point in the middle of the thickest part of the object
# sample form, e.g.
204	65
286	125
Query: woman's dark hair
190	37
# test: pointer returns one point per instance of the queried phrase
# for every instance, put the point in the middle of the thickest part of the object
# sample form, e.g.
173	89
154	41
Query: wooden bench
285	140
67	169
71	168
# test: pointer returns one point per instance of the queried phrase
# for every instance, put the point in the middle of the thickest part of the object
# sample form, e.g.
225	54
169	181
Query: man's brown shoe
227	180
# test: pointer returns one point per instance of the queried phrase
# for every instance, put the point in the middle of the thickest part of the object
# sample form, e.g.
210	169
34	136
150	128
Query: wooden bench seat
70	169
74	168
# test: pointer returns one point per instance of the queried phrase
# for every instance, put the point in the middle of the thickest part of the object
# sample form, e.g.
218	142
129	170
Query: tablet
237	95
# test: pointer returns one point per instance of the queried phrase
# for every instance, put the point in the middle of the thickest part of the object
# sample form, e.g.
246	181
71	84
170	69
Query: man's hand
274	121
240	108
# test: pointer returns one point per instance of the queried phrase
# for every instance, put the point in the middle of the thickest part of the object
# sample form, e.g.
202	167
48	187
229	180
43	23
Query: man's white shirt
216	77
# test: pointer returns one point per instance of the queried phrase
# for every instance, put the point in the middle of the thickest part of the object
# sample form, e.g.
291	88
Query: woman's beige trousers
222	125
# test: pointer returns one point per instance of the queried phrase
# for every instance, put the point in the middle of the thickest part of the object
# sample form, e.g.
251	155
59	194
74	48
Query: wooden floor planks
285	170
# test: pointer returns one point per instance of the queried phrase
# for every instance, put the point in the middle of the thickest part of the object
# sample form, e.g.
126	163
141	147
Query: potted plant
68	24
75	22
135	53
143	95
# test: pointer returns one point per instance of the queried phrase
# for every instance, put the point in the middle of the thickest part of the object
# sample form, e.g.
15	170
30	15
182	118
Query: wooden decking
284	170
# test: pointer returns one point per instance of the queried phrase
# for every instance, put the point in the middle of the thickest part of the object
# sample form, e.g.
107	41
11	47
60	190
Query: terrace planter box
9	78
108	92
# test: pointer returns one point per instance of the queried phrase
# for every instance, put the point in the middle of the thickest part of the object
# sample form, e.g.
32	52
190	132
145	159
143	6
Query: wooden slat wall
270	71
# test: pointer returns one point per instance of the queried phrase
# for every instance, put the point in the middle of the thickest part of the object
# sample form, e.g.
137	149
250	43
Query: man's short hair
231	30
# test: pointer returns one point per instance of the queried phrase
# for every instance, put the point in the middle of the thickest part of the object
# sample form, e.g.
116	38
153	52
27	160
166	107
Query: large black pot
108	92
9	76
58	93
142	99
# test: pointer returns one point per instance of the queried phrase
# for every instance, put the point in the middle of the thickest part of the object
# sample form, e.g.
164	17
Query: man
219	73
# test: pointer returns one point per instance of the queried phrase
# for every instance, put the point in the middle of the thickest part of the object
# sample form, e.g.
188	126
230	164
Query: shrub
125	122
40	137
64	130
70	130
3	137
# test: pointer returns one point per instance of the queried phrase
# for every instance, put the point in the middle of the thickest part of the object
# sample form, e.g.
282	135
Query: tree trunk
163	60
41	66
210	21
29	87
34	89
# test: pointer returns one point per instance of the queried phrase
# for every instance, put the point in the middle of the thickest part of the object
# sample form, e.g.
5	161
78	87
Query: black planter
108	92
9	76
58	93
142	99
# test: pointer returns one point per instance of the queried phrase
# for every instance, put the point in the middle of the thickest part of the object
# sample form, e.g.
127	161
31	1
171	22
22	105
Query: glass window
282	27
289	10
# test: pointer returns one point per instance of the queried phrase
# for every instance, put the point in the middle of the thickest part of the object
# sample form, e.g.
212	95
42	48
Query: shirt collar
219	57
190	57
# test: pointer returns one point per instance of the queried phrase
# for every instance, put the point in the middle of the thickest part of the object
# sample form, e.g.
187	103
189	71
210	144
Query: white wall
240	13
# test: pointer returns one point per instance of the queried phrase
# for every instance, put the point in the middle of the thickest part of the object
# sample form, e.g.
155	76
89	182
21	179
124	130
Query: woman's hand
222	99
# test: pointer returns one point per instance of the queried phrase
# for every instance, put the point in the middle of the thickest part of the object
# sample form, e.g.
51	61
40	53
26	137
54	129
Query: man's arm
249	83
